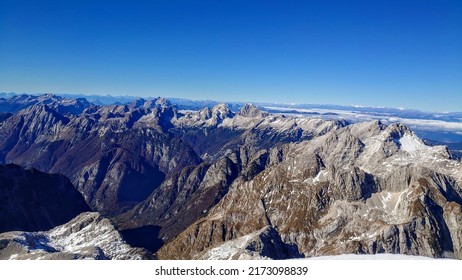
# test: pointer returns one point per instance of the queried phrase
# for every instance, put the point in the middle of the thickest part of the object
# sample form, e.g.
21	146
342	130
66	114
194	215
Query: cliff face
115	155
241	153
217	184
366	188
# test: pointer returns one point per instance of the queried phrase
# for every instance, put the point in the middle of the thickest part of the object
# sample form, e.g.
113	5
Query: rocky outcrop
365	188
206	117
263	244
32	200
215	132
250	111
189	194
19	102
118	155
88	236
262	185
453	218
115	155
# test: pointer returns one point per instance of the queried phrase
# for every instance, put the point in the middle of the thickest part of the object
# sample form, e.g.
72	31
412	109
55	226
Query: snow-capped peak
412	144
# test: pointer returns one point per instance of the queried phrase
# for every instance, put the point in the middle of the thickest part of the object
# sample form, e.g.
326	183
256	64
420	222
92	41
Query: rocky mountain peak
137	103
41	116
70	106
19	102
222	111
398	130
163	102
365	195
158	102
21	97
48	97
206	117
251	111
211	184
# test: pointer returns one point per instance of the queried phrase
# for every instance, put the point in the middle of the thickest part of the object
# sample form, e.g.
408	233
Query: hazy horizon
369	53
128	96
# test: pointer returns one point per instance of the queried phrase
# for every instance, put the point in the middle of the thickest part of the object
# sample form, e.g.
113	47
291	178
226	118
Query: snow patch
411	144
232	249
321	176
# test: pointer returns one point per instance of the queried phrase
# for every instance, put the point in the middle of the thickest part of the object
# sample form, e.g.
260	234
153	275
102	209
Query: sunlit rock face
364	189
217	184
87	236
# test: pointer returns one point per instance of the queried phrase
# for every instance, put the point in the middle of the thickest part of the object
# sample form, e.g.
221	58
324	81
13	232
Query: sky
371	53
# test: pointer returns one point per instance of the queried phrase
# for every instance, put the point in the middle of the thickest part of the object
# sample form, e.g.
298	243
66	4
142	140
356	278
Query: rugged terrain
365	188
87	236
218	184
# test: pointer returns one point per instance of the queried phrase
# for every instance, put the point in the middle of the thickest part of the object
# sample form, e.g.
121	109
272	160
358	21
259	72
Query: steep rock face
262	185
32	200
250	111
87	236
205	117
407	222
453	218
189	194
263	244
113	155
119	170
71	106
19	132
365	188
170	204
214	132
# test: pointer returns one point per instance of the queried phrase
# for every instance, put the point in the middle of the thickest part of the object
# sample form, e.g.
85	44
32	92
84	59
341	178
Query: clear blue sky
381	53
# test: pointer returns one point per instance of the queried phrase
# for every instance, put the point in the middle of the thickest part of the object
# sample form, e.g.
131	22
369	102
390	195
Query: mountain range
220	182
436	128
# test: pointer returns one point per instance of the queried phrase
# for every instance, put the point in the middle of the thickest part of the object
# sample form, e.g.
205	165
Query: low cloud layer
427	125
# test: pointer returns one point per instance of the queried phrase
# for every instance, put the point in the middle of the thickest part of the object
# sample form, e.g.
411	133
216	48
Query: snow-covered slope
88	236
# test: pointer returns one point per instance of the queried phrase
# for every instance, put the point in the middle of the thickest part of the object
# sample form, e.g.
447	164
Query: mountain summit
214	184
251	111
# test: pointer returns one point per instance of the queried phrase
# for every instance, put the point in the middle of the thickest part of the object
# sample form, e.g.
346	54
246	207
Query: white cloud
419	124
455	127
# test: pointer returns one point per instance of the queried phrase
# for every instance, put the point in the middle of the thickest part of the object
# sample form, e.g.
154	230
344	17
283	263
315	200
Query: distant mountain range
239	181
436	127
